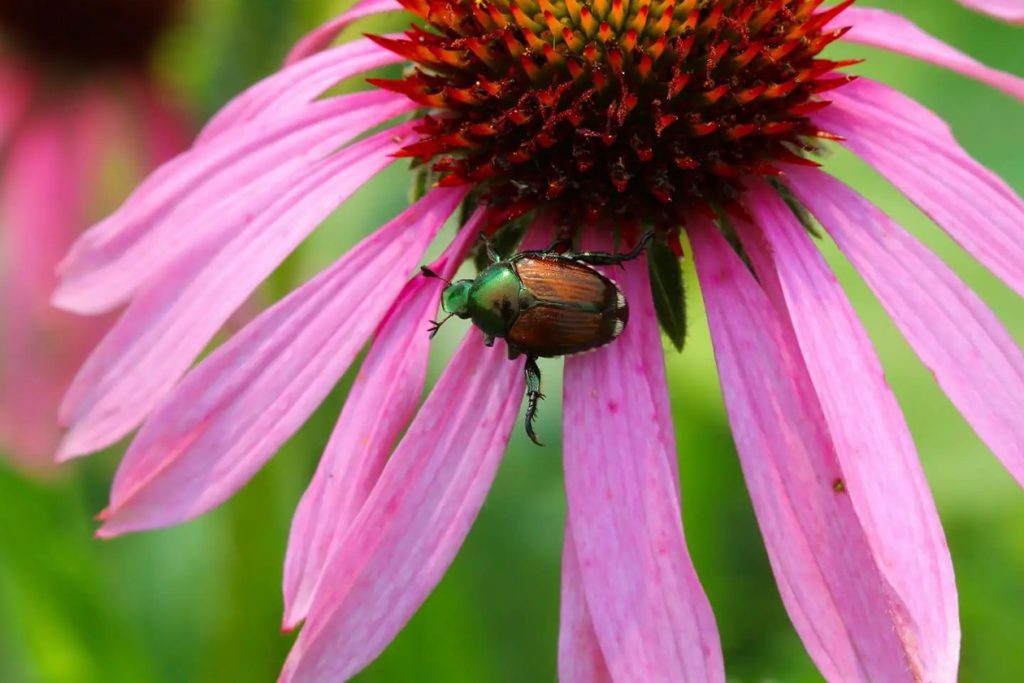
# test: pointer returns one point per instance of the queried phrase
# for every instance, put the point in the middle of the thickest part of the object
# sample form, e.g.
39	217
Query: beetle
544	304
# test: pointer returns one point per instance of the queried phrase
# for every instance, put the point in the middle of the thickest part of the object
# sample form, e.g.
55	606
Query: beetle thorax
494	301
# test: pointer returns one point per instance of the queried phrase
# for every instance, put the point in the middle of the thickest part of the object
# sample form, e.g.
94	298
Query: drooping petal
916	152
974	359
1007	10
233	412
214	191
888	31
884	478
852	624
166	130
44	193
17	90
416	518
650	614
382	402
294	87
322	36
170	323
580	659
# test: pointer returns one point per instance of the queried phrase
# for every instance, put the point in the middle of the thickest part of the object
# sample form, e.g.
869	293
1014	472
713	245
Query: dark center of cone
612	110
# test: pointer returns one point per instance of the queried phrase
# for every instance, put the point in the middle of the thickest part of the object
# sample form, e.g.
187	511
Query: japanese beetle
543	304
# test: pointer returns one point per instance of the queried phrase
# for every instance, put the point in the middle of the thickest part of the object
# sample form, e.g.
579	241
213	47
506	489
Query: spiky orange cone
615	108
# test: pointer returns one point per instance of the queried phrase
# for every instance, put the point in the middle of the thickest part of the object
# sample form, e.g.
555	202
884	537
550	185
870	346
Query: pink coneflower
596	119
74	85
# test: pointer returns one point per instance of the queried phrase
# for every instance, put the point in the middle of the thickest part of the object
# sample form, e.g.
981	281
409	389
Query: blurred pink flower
534	113
74	91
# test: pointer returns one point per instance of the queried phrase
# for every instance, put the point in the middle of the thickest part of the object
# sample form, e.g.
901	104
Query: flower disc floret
615	108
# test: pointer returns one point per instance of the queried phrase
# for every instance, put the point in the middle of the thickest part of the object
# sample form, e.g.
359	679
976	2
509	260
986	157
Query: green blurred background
201	603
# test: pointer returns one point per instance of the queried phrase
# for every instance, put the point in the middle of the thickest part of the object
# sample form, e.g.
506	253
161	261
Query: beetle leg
533	396
492	253
603	258
561	245
513	352
488	340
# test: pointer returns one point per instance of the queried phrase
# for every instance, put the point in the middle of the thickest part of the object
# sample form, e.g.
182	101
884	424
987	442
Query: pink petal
915	150
580	659
973	357
171	322
416	518
852	624
651	617
215	191
882	29
295	86
380	406
324	35
1007	10
873	444
233	412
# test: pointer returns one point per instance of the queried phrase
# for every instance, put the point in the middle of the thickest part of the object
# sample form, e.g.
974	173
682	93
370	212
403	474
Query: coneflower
592	120
75	84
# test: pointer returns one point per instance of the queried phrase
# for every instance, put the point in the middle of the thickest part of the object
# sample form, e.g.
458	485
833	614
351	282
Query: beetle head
455	298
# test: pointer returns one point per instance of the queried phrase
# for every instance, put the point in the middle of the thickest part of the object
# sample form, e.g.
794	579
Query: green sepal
423	179
733	238
798	209
668	291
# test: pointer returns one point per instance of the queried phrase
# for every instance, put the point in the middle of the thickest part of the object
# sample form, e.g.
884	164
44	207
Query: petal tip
70	449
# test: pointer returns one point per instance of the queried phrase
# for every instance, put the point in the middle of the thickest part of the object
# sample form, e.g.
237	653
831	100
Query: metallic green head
455	298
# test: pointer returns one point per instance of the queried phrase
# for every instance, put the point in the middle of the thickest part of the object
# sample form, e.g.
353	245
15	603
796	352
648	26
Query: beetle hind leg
603	258
533	396
561	244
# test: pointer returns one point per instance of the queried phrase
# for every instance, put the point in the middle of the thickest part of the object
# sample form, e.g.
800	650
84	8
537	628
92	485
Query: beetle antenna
429	273
435	325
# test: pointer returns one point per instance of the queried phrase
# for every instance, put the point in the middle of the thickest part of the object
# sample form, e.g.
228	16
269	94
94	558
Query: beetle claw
533	437
531	414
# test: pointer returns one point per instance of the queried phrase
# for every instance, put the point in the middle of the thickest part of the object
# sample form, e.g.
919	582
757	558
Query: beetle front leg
492	253
533	396
603	258
488	340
